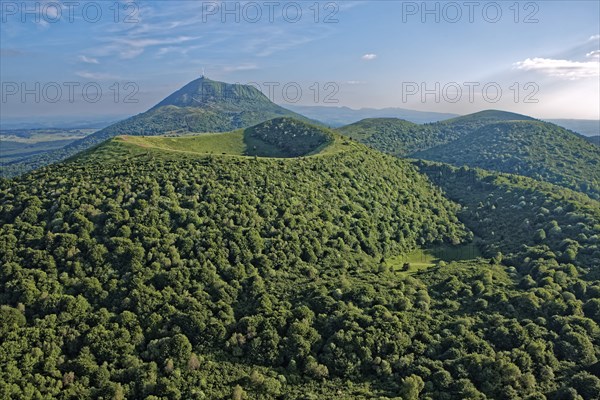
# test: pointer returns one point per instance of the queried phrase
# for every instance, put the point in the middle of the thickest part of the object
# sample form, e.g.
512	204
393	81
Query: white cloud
242	67
131	48
264	45
593	54
88	60
565	69
181	50
369	56
594	37
130	53
166	50
142	43
354	82
96	76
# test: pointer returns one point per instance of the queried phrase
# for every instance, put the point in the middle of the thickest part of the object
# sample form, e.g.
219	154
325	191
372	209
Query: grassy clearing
235	143
421	259
277	139
232	144
216	143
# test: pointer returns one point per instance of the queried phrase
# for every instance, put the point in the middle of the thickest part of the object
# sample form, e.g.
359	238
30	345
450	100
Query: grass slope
421	259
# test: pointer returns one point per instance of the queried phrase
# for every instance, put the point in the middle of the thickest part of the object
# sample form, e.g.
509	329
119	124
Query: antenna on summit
203	75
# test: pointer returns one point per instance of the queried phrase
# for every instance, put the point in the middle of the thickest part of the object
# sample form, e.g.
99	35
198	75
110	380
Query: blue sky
543	56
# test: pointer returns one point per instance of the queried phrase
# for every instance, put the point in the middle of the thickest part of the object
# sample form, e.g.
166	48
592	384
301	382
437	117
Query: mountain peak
203	91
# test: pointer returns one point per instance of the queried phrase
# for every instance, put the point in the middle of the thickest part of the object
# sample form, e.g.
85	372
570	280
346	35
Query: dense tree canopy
536	149
171	276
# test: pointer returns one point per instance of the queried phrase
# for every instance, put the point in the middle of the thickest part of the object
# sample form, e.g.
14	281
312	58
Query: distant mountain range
59	122
339	116
586	127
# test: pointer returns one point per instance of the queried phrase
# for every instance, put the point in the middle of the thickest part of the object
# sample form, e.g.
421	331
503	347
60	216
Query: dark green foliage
536	149
402	138
294	138
493	140
509	212
139	273
392	135
128	267
593	139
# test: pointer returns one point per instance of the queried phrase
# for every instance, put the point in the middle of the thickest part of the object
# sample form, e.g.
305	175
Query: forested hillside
536	149
141	272
391	135
593	139
493	140
293	138
565	221
145	274
403	138
166	236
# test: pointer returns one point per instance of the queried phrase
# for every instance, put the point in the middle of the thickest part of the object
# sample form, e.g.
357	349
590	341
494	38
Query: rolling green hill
507	211
487	116
402	138
202	105
391	135
493	140
537	149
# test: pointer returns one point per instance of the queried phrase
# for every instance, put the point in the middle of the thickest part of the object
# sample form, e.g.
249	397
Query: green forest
137	271
493	140
539	150
299	200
